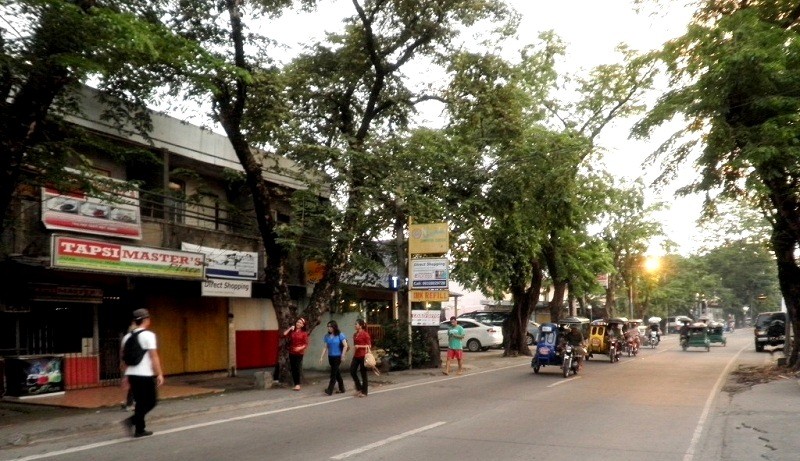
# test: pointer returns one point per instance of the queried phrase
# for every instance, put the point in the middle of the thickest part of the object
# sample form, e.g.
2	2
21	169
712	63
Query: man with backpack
142	371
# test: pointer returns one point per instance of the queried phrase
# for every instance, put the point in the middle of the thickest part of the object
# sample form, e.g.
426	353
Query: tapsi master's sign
428	273
95	255
227	288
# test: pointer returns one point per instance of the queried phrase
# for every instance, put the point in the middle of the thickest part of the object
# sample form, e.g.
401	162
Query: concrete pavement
746	422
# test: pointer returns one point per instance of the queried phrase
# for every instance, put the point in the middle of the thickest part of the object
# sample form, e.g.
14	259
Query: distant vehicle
675	323
496	318
478	336
769	329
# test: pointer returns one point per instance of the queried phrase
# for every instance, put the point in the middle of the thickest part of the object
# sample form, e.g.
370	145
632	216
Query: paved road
664	404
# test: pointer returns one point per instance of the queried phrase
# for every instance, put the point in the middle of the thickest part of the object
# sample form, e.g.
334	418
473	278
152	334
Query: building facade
181	243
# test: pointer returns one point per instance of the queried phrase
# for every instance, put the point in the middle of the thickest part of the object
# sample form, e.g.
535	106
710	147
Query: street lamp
744	315
589	308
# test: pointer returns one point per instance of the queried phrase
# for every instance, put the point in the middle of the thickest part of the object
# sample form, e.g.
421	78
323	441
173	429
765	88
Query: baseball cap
140	314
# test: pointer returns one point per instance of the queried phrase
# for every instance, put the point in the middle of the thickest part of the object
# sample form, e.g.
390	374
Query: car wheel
759	347
536	368
529	339
473	345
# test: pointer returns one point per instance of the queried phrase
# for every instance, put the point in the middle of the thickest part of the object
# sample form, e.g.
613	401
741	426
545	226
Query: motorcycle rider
655	327
574	338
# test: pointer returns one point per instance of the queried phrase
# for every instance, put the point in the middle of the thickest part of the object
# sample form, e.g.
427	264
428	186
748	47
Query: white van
675	323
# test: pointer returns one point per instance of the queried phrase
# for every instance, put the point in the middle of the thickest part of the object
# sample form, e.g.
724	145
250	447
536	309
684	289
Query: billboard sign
77	212
227	264
96	255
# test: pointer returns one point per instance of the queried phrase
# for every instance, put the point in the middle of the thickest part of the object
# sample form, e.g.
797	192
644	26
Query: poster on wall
227	264
77	212
28	376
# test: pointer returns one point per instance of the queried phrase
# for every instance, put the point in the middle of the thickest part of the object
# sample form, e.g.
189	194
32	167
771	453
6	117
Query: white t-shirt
148	341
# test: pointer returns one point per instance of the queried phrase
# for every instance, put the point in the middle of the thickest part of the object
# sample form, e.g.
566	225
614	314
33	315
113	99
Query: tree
535	212
49	49
330	110
740	106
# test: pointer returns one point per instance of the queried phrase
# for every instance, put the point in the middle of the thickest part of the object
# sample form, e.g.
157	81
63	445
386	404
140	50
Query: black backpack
132	351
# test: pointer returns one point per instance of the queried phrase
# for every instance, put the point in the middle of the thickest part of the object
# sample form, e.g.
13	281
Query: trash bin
33	375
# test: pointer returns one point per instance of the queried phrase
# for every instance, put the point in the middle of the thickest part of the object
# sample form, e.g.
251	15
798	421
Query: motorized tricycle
552	349
716	333
696	335
605	337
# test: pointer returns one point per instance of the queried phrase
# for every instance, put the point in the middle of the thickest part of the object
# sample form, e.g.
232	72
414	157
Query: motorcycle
653	339
632	346
569	362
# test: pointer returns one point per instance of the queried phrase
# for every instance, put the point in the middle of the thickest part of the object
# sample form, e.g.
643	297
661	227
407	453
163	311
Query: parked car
497	318
770	329
477	336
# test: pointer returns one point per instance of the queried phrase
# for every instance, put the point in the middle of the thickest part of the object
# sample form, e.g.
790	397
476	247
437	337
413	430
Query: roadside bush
395	343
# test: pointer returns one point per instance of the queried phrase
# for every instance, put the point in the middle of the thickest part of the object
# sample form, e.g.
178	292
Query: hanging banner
428	238
95	255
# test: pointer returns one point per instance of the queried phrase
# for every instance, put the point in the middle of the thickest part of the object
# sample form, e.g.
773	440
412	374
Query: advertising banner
77	212
227	288
428	238
425	318
94	255
429	273
227	264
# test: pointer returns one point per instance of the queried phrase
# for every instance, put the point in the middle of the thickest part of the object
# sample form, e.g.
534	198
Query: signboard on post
428	238
425	318
420	296
429	273
602	279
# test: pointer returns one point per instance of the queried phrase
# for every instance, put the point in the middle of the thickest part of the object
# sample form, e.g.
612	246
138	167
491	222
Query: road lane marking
563	381
387	441
328	401
689	455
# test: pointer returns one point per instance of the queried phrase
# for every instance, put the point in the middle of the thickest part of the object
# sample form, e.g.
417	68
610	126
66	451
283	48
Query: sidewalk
99	409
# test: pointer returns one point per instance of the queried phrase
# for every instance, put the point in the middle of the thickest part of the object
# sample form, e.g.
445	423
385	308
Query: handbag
370	362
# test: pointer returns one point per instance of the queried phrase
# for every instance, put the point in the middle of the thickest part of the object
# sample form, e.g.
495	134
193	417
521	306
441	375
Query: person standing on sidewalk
298	343
335	347
361	344
144	377
455	350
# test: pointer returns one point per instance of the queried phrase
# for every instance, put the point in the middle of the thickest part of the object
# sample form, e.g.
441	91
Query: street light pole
630	295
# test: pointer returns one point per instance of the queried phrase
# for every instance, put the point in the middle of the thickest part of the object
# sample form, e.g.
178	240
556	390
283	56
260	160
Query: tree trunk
515	328
557	301
784	244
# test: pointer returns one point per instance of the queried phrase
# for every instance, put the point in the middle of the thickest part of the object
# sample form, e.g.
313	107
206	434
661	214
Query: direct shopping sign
428	273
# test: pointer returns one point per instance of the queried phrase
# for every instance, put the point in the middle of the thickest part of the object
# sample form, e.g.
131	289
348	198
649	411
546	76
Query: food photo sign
77	212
